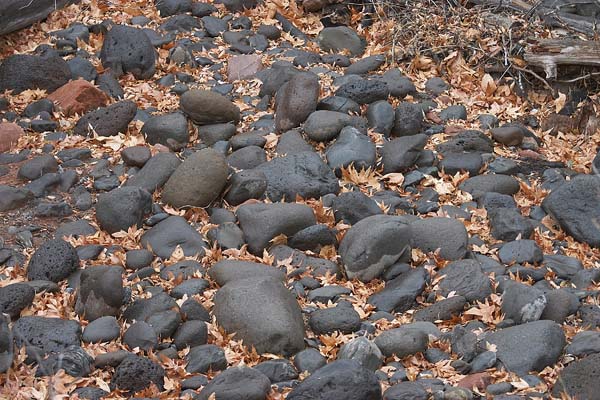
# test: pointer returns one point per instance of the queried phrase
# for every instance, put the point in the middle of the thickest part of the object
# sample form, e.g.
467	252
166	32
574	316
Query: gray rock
365	65
560	304
197	181
436	85
373	244
341	318
399	85
466	278
456	112
122	208
100	292
309	360
211	134
400	293
564	267
339	104
292	142
341	38
226	271
303	174
155	173
508	224
364	91
408	119
580	379
103	329
191	333
521	251
351	207
246	185
128	50
15	14
189	288
351	148
456	162
106	121
206	107
14	298
313	238
172	7
405	391
522	303
46	335
362	350
381	117
37	166
170	130
205	357
296	100
584	343
171	232
441	310
401	153
73	360
135	373
237	383
141	335
322	125
402	341
278	370
571	206
20	72
528	347
263	313
481	184
341	379
54	261
13	197
447	234
247	158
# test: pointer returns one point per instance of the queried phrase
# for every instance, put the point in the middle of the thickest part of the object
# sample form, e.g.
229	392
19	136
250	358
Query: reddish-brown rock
479	380
9	135
243	67
78	97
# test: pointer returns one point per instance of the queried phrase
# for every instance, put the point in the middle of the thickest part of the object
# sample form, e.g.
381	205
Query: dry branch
548	54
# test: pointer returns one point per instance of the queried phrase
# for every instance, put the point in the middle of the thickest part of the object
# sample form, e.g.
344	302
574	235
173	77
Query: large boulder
128	50
263	313
205	107
528	347
574	205
296	100
341	379
122	208
373	244
20	72
17	14
302	174
197	181
263	222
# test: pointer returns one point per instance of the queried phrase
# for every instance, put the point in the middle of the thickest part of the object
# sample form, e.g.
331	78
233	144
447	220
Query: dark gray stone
237	383
466	278
107	121
20	72
54	261
122	208
170	130
135	373
128	50
446	234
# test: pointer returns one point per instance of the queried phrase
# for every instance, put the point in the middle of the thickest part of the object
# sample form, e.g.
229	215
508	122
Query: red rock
479	380
243	67
9	135
78	97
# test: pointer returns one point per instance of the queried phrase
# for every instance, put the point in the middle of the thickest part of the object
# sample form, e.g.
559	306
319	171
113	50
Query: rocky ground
200	201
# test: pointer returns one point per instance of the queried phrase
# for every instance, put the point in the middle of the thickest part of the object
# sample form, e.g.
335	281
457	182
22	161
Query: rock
455	162
9	135
20	72
580	379
521	251
106	121
296	100
481	184
571	207
173	7
243	66
171	232
262	313
341	318
206	107
73	360
122	208
211	134
128	50
197	181
226	271
465	278
441	310
110	85
189	288
206	357
90	393
136	156
467	142
447	234
381	117
522	303
508	224
322	125
339	104
303	174
239	5
402	341
103	329
351	147
54	261
155	172
247	157
78	97
364	91
140	335
309	360
365	65
436	85
341	379
15	14
351	207
584	343
399	85
14	298
508	135
528	347
190	333
135	373
401	153
170	130
400	293
43	335
100	292
278	370
341	38
37	166
362	350
408	119
237	383
313	238
456	112
560	304
373	244
563	266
